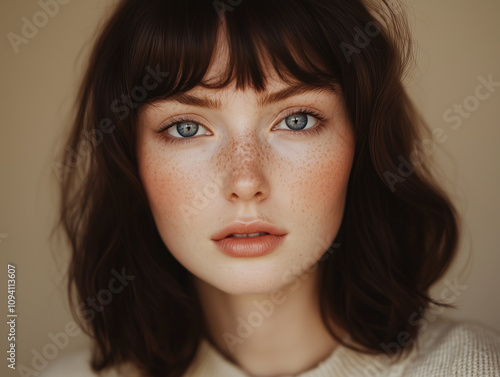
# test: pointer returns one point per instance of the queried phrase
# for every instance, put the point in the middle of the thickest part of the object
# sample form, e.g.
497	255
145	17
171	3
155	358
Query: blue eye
184	129
297	121
187	129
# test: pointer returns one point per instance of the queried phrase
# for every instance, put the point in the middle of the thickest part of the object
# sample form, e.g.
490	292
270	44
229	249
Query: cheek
324	180
171	189
318	182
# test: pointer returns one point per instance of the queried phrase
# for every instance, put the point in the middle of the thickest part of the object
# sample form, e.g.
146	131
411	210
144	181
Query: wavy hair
399	231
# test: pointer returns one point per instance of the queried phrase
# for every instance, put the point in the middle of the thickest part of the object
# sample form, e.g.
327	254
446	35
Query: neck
280	333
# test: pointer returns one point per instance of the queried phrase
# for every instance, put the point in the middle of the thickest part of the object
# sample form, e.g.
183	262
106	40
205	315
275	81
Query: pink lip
249	246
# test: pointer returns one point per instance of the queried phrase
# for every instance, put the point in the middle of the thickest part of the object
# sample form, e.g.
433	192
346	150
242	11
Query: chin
251	278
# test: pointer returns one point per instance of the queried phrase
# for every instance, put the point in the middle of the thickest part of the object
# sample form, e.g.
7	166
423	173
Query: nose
246	179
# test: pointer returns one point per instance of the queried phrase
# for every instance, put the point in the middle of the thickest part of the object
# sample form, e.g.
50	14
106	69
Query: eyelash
316	129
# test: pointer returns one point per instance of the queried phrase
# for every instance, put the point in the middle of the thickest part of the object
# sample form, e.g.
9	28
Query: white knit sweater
445	348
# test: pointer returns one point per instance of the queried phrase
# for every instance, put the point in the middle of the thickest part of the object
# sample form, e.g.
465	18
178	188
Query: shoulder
458	349
76	364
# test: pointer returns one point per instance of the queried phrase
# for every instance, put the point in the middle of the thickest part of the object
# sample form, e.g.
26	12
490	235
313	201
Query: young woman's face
238	156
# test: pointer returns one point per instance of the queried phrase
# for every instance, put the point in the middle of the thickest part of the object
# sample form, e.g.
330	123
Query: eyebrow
204	101
292	91
270	98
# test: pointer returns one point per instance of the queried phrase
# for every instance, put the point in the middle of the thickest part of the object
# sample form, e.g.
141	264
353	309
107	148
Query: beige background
458	41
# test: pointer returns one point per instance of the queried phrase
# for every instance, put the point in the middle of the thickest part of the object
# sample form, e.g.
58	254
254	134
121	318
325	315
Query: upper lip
255	226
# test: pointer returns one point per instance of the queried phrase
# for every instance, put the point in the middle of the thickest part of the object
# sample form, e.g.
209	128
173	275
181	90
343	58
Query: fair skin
245	163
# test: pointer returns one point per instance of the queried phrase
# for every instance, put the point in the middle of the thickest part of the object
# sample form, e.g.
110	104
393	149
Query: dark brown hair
399	231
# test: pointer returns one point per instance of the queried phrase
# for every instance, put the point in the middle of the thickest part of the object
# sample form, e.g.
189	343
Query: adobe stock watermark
422	149
361	40
203	197
221	6
59	341
265	308
371	30
121	107
455	115
421	319
31	26
460	111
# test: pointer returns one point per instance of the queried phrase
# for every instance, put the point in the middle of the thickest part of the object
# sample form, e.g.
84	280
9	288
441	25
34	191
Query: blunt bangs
285	38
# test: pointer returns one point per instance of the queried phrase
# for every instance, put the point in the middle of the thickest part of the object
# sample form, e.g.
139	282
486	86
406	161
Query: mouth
253	239
256	228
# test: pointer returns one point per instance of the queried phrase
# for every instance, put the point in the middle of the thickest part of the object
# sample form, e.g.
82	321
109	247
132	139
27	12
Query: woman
246	198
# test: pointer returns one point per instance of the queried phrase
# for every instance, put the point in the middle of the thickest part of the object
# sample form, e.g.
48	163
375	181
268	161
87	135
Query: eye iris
187	129
296	122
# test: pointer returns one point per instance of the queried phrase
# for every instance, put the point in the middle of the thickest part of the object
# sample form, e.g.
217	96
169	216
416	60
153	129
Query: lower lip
244	247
